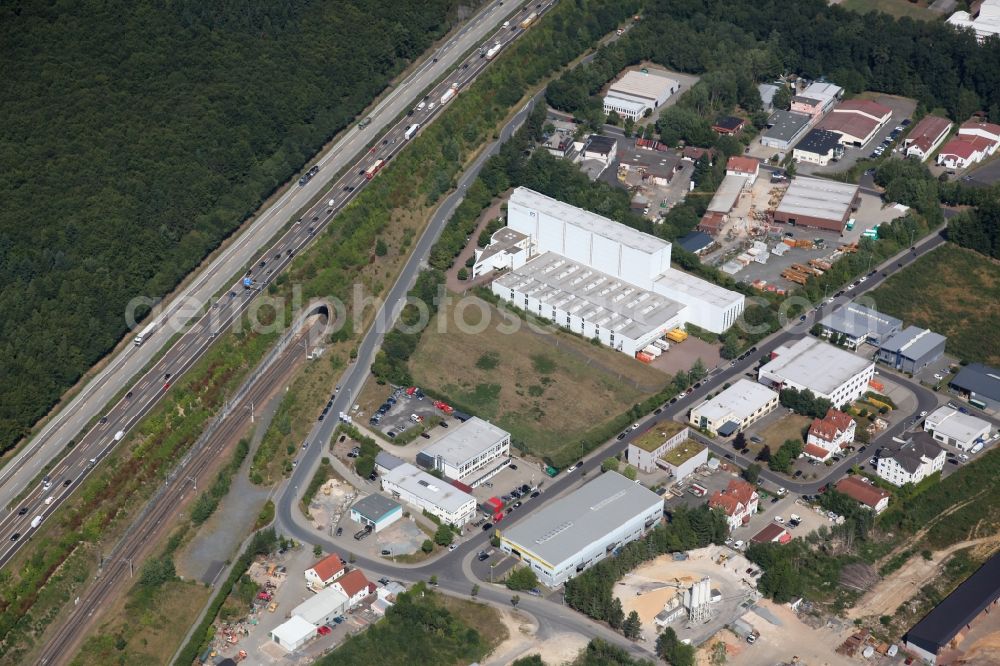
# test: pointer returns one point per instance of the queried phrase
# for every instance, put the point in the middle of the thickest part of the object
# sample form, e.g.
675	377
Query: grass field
787	427
952	291
547	389
897	8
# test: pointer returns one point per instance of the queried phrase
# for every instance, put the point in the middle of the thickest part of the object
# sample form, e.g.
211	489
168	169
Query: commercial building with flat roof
819	146
857	324
819	203
582	528
980	384
911	349
419	489
985	23
740	405
828	371
951	426
637	92
647	451
696	242
472	452
377	511
784	129
818	98
293	633
605	280
508	250
322	607
949	621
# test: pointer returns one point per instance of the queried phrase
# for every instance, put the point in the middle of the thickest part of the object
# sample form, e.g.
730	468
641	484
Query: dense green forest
737	43
137	136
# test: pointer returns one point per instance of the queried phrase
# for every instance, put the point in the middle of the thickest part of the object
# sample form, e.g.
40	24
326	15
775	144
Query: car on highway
15	536
23	510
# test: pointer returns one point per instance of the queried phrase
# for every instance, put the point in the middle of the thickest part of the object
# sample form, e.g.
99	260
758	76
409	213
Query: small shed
294	633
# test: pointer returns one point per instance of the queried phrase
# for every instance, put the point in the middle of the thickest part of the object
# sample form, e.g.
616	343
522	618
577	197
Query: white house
911	462
951	426
829	434
324	572
745	167
354	586
322	607
738	501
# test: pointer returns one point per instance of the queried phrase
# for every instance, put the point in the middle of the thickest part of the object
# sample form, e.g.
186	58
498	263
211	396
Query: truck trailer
410	131
449	94
145	333
493	51
374	169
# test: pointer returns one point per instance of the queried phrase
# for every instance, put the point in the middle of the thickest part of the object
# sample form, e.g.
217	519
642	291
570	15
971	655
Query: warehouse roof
786	125
680	285
815	364
428	488
925	133
388	461
854	125
956	425
913	342
727	193
738	402
863	106
822	90
651	85
467	441
584	219
819	141
978	379
597	297
695	241
293	630
562	529
816	197
315	609
959	608
375	507
858	321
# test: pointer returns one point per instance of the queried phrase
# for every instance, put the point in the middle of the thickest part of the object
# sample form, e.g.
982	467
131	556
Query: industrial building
949	621
419	489
784	129
963	431
817	98
856	121
635	93
926	136
667	446
857	325
508	250
767	92
911	461
828	371
819	203
985	23
322	607
696	242
377	511
293	633
820	147
598	147
734	408
605	280
974	143
472	453
580	529
386	462
911	349
978	383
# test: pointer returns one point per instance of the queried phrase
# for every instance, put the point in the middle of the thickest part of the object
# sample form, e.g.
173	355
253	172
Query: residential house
729	125
864	492
829	434
325	572
745	167
912	461
354	586
926	136
738	501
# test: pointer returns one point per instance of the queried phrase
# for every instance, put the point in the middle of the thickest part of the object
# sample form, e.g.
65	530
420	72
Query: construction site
696	593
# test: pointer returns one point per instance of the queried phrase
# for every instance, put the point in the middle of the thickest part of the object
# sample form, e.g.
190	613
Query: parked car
487	526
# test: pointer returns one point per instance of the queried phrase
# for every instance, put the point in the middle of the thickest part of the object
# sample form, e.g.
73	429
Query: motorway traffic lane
122	367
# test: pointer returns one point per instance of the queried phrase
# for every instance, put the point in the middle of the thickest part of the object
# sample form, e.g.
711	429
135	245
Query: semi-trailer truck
145	333
529	20
493	51
449	94
374	169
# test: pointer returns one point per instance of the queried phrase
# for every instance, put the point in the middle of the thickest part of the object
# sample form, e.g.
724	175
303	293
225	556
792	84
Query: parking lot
404	413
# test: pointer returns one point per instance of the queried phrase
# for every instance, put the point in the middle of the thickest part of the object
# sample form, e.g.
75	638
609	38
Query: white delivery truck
36	521
145	333
410	131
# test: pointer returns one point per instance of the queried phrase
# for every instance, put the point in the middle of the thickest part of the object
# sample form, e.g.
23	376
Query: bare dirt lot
522	641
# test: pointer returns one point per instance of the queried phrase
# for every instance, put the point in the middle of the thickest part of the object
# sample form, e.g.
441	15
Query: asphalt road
210	318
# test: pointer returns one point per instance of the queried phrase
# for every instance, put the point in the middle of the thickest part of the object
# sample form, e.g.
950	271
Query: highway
240	254
206	319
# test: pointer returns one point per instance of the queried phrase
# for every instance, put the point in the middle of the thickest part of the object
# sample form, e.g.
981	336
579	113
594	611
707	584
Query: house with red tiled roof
829	434
738	501
325	571
989	131
864	492
856	120
354	586
964	151
772	533
745	167
926	136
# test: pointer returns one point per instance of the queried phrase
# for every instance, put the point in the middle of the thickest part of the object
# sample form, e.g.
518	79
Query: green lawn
953	291
897	8
549	390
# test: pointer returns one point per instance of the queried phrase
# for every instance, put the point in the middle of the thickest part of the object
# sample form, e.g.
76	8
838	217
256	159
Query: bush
444	536
427	546
521	579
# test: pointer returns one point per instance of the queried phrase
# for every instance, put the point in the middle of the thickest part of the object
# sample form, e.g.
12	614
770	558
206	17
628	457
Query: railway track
146	530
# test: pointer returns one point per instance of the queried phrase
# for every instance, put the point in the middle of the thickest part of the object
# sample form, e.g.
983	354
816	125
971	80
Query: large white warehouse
828	371
582	528
605	280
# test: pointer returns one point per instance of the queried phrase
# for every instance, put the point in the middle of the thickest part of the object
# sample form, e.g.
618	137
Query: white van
430	107
50	500
420	107
36	521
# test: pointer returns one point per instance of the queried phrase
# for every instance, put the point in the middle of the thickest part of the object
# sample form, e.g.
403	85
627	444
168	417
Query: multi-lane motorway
216	316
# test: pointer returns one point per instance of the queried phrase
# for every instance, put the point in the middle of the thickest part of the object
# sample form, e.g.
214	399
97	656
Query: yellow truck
677	335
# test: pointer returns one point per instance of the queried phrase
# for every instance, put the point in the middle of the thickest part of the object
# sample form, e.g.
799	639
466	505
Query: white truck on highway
493	51
449	94
145	333
410	131
36	521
